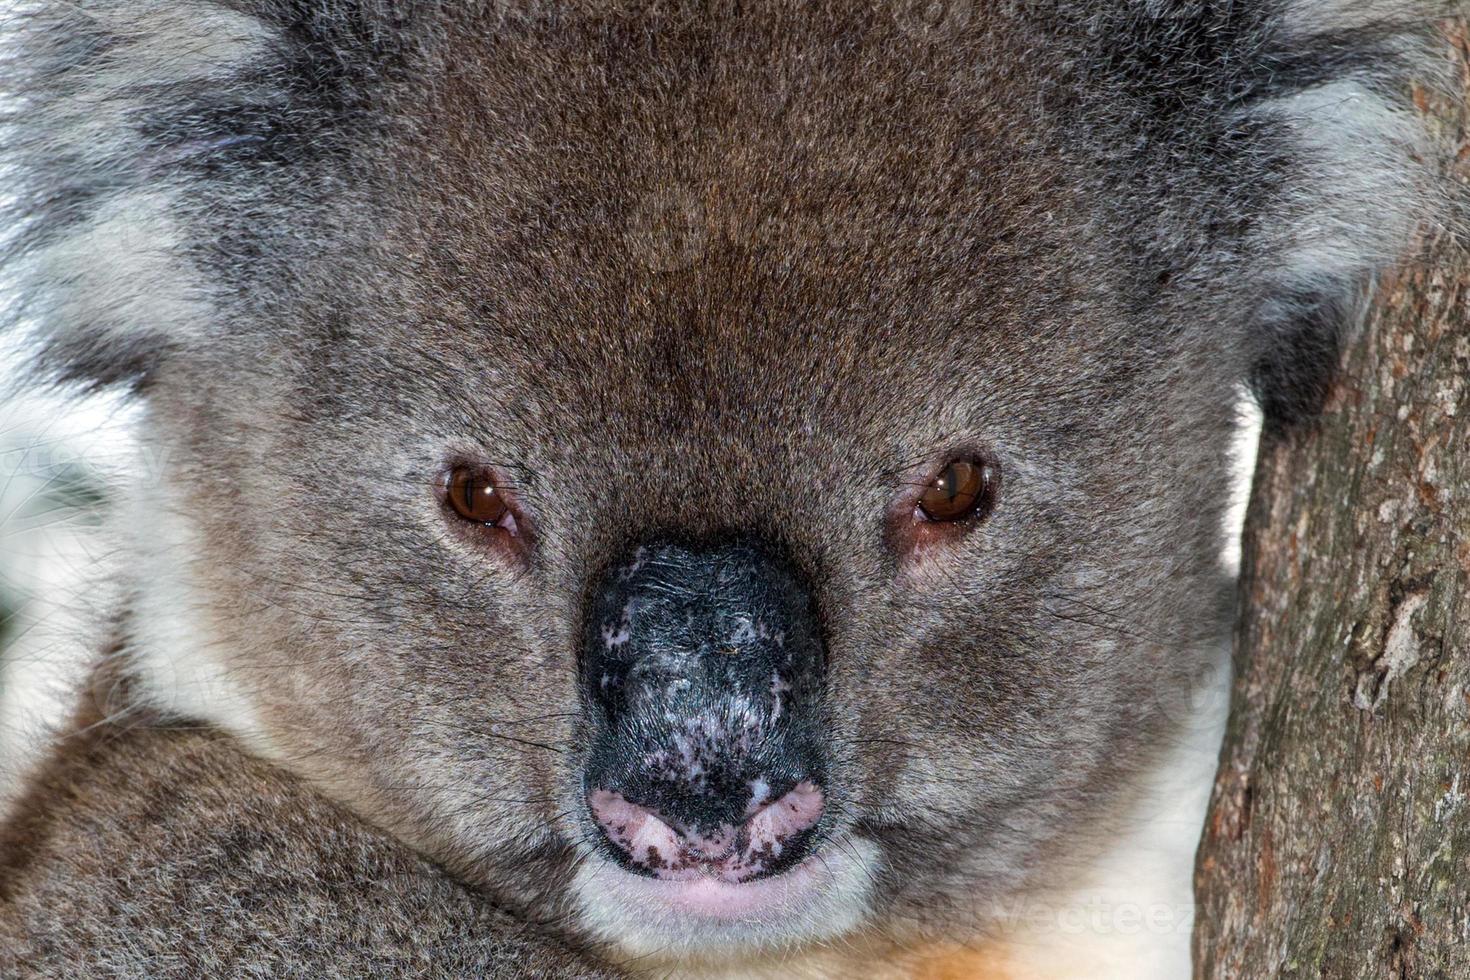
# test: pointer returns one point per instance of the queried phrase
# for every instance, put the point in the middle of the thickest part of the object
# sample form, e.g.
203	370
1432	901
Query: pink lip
717	899
712	899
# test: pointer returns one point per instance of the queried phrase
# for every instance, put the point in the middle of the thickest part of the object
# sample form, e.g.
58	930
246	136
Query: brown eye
473	496
963	488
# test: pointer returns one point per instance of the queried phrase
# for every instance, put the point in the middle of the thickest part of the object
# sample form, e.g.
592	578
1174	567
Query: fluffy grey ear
1271	159
1362	177
156	162
97	256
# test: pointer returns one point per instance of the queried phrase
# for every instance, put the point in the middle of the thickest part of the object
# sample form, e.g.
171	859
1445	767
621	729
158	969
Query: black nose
702	674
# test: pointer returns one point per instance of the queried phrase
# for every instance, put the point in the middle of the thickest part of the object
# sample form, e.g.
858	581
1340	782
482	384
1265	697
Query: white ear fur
122	273
95	255
151	45
1367	189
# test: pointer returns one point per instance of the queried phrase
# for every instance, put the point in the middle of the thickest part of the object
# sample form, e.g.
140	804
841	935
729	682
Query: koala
666	489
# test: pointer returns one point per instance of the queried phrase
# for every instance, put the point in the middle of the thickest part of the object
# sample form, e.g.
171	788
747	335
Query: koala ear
97	261
153	155
1357	180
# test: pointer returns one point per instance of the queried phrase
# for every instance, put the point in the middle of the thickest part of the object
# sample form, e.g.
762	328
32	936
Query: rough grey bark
1338	843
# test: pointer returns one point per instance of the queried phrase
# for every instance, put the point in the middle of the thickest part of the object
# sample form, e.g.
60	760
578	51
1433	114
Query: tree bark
1338	841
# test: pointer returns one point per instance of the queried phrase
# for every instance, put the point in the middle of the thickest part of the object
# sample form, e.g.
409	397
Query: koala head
716	478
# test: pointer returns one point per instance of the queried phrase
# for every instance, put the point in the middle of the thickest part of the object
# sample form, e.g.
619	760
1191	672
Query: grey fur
196	862
695	268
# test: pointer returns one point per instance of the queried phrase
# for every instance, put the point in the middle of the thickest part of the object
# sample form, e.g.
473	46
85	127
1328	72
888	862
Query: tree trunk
1338	842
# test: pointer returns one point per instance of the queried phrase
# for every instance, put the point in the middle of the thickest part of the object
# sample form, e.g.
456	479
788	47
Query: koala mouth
702	680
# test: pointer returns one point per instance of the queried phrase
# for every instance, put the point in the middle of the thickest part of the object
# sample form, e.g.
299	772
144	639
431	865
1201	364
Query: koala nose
702	675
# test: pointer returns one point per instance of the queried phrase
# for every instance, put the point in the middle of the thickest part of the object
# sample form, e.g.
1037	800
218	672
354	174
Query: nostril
777	822
635	830
774	836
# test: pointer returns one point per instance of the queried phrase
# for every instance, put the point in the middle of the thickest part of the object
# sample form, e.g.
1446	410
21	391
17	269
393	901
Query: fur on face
700	269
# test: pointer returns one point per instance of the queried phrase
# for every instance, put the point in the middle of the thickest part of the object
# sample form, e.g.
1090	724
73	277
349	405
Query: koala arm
152	852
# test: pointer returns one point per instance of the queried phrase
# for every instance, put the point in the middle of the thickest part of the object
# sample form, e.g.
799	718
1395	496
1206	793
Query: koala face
670	619
635	586
716	482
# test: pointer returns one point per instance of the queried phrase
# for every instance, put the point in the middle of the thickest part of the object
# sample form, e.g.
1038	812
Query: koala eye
474	497
964	488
